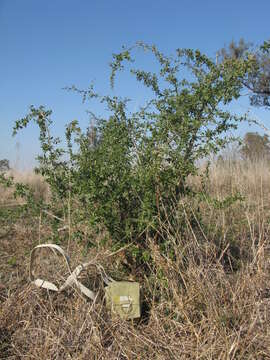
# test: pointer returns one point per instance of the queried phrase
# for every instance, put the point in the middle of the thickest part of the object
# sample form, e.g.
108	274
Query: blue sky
47	45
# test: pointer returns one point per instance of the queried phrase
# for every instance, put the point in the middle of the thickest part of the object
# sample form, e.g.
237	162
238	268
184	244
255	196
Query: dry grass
211	302
35	181
251	179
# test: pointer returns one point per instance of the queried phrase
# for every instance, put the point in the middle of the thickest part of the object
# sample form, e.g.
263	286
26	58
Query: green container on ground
123	299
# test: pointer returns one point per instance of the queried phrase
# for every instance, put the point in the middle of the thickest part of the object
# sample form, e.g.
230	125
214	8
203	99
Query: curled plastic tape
72	278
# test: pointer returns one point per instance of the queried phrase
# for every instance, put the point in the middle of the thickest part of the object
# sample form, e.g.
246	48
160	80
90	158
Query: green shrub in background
130	170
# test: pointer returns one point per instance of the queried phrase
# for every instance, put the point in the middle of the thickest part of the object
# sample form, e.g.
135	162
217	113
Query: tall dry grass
36	183
249	178
210	300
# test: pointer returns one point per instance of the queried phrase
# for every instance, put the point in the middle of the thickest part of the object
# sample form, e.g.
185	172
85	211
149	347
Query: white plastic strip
72	278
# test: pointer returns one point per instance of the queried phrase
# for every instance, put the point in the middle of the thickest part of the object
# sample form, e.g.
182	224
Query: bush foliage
131	169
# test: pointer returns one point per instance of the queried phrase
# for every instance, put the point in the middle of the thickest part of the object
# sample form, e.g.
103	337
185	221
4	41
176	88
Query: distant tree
255	147
4	165
220	160
92	136
257	80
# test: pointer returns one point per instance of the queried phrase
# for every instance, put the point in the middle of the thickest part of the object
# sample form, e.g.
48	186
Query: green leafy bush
130	171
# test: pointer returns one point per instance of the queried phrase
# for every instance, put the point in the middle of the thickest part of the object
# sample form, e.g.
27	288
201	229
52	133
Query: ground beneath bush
200	313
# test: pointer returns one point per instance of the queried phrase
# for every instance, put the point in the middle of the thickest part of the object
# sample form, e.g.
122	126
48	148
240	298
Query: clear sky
46	45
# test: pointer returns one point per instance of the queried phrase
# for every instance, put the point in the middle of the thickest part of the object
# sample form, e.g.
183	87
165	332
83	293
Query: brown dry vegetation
211	302
39	187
